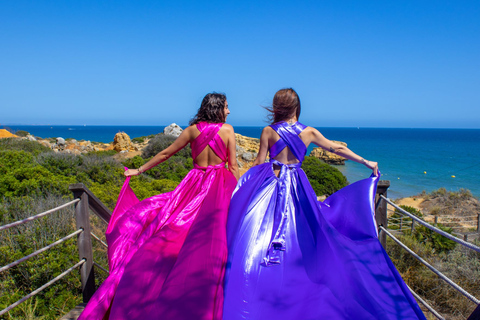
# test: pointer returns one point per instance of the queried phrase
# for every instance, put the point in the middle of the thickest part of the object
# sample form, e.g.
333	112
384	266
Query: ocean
412	159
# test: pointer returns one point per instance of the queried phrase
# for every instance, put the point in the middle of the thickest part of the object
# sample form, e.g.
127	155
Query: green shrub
161	142
142	139
438	242
324	178
397	215
102	153
21	133
14	144
60	163
134	163
101	169
409	209
175	168
424	235
21	175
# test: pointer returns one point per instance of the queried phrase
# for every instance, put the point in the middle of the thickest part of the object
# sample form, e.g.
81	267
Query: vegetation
142	139
21	133
161	142
324	178
34	179
20	241
460	264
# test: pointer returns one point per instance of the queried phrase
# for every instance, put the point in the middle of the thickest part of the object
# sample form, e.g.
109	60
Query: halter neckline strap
289	137
209	137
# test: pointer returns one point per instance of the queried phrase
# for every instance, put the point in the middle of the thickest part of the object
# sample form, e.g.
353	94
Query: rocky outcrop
122	142
247	150
59	144
329	157
173	130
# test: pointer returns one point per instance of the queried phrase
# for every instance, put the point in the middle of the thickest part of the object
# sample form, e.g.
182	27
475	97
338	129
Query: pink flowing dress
167	253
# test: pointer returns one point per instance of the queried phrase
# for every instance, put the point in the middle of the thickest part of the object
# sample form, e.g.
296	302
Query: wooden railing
82	214
382	222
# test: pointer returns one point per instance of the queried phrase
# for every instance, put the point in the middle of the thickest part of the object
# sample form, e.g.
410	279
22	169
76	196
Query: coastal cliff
329	157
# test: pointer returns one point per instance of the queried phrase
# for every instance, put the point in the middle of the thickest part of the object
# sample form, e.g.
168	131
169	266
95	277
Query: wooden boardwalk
75	313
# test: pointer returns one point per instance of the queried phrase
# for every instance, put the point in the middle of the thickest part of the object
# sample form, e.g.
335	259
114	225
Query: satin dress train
167	253
292	257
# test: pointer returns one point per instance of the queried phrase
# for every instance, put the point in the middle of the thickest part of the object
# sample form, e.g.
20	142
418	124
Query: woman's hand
371	165
131	172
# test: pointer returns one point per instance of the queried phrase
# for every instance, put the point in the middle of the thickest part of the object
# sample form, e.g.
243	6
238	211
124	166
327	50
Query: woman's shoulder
267	129
308	129
191	128
227	128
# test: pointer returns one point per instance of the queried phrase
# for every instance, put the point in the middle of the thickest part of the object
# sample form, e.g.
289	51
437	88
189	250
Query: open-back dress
167	253
293	257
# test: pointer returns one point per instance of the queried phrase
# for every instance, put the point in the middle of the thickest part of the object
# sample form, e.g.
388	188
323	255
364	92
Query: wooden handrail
94	203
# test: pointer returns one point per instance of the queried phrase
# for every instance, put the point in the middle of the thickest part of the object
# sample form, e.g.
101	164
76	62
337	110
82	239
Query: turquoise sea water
403	154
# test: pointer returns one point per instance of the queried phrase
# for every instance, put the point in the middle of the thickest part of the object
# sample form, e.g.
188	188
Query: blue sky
353	63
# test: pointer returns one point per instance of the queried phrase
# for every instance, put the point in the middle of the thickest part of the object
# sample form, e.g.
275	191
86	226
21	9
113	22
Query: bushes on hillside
21	133
438	242
22	240
60	163
160	142
14	144
424	235
459	264
21	175
324	178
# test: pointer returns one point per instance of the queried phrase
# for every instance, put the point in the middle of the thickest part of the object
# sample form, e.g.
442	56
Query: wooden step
74	313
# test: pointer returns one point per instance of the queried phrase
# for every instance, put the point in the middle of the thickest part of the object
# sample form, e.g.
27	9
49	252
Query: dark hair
211	109
286	103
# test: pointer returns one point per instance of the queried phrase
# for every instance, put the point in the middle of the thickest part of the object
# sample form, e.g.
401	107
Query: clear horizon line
184	125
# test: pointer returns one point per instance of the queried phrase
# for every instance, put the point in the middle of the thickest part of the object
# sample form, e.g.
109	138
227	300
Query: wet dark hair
211	109
286	103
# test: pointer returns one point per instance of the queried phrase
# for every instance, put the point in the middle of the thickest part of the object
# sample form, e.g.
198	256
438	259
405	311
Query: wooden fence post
478	223
84	242
381	210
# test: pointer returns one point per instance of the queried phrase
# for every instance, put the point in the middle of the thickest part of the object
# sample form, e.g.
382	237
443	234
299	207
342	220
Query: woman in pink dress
167	253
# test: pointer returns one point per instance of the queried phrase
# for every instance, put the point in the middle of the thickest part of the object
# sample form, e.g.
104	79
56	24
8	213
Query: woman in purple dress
293	257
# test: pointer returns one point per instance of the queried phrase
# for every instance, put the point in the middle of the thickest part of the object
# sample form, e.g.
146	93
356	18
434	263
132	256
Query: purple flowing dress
292	257
167	253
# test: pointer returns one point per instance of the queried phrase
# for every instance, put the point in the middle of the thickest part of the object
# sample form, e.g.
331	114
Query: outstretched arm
321	141
184	138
